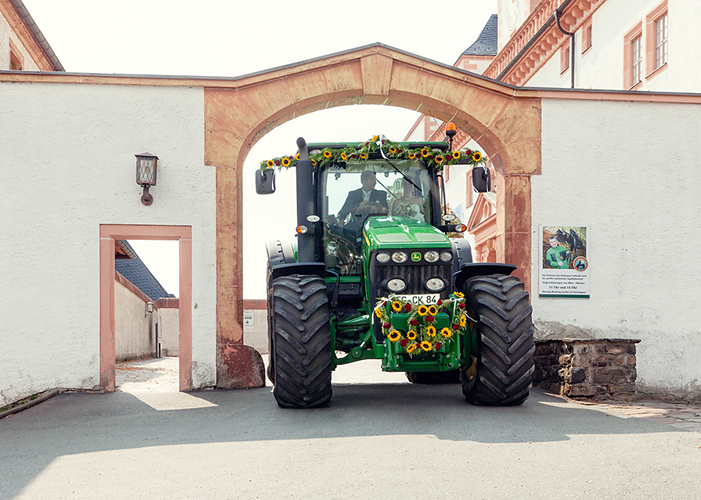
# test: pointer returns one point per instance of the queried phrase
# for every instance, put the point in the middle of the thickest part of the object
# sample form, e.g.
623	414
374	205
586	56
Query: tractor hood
402	232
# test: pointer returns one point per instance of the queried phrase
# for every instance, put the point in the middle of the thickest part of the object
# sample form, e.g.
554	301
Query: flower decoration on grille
420	330
436	158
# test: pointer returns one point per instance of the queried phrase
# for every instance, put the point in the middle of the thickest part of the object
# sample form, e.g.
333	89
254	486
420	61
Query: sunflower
426	346
378	312
374	138
431	331
392	149
363	156
411	348
476	156
270	163
313	162
438	159
285	162
423	310
432	310
463	320
411	334
446	332
396	306
459	295
344	156
425	152
327	153
297	157
394	335
412	156
456	155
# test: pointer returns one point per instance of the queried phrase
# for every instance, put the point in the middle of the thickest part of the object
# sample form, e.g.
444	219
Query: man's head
553	241
368	180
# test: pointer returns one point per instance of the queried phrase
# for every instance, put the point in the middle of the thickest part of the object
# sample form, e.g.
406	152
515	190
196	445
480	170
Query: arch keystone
376	71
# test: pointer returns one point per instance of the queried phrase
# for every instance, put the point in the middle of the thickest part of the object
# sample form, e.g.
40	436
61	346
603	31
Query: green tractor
376	275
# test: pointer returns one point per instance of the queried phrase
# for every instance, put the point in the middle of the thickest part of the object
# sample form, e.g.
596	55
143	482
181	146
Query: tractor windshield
352	192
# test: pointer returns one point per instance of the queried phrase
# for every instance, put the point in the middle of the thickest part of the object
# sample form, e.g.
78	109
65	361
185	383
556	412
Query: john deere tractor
376	275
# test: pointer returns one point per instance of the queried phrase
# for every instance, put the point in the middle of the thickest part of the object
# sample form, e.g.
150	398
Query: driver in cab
364	201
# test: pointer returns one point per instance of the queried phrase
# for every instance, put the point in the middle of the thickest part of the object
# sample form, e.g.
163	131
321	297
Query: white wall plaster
630	172
68	165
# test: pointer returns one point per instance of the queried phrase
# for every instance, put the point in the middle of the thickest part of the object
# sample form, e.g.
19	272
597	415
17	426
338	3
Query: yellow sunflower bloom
363	156
313	162
396	306
431	331
459	295
285	162
410	348
447	332
327	154
297	157
432	310
463	320
374	138
378	312
456	155
412	156
426	346
411	334
476	156
425	152
270	163
392	149
423	310
394	335
439	159
344	156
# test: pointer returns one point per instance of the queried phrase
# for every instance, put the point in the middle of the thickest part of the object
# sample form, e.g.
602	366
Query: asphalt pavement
381	437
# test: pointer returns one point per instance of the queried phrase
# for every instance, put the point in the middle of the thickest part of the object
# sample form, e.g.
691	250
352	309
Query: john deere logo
416	256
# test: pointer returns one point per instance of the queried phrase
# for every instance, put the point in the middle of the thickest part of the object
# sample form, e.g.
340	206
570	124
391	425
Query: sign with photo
564	261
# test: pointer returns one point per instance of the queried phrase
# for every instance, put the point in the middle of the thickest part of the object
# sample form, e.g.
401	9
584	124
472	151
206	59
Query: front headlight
435	284
400	257
446	256
382	257
396	285
431	256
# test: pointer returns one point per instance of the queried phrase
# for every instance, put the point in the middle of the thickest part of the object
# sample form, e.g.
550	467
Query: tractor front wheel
301	341
500	373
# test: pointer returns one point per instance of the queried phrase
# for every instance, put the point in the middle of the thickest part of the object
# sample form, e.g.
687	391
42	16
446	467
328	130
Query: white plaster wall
6	34
169	331
631	172
602	66
134	330
66	166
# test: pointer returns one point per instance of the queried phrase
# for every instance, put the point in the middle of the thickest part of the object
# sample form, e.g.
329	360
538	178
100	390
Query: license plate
421	300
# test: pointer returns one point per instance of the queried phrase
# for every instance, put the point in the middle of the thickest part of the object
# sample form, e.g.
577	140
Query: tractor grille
415	276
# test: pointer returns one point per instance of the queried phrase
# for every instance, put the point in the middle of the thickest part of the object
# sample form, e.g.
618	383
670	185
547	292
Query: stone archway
506	125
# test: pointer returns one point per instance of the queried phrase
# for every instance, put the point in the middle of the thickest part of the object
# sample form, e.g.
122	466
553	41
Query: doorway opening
146	325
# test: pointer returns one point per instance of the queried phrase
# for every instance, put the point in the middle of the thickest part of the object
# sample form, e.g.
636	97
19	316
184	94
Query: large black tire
301	342
501	373
434	378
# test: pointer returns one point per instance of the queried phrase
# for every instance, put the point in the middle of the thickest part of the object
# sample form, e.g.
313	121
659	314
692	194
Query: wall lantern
146	166
149	308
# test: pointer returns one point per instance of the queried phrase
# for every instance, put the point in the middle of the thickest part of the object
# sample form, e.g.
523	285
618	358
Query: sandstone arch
506	125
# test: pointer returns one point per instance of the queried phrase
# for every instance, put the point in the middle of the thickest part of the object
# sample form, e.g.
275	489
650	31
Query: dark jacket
355	197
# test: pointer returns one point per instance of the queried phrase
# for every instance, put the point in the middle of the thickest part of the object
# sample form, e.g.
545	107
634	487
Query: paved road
382	438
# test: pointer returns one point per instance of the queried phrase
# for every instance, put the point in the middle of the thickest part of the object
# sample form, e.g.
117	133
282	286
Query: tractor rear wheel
501	371
434	378
301	342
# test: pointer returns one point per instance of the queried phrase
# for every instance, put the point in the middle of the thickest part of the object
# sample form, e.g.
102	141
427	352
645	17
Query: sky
234	38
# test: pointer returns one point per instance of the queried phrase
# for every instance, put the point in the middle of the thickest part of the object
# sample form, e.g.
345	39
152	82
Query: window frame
651	19
629	39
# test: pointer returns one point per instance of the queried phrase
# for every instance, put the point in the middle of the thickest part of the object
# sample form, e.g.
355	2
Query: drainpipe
571	35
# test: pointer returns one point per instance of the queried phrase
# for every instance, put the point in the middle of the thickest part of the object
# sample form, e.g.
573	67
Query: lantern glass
146	170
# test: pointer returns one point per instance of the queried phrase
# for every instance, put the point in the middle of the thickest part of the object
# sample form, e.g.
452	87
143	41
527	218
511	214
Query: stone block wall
605	368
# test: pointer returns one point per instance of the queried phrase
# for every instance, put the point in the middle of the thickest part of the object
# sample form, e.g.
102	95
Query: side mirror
482	179
265	181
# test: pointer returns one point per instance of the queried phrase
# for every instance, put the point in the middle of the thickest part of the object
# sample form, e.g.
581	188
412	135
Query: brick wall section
168	303
604	368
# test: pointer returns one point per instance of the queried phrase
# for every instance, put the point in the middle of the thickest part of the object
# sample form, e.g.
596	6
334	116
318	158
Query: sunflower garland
435	158
421	335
